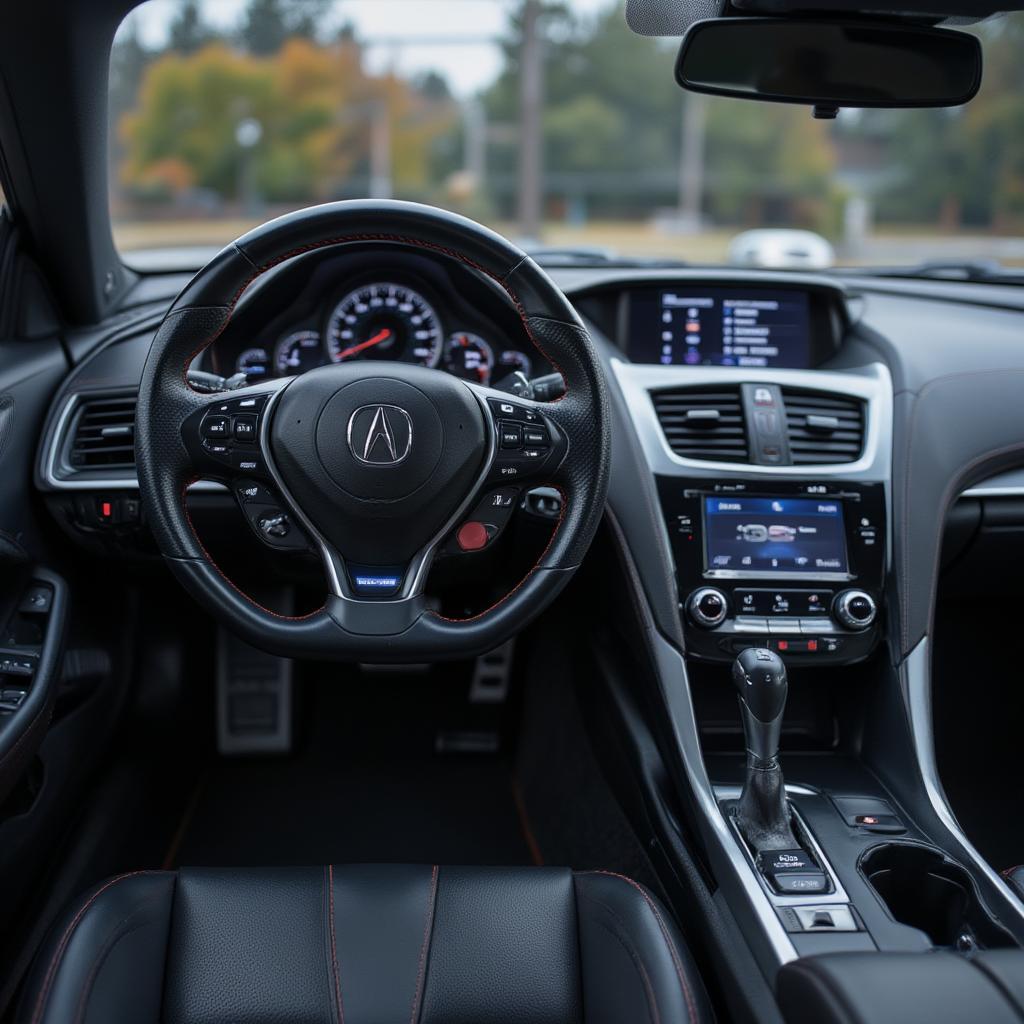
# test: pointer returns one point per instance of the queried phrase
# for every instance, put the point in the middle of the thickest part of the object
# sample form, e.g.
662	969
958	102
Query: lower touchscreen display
700	326
774	536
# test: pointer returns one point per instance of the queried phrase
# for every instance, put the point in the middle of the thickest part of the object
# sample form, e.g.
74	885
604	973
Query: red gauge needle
382	335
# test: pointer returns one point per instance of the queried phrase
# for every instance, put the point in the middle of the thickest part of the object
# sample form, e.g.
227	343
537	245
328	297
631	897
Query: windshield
552	123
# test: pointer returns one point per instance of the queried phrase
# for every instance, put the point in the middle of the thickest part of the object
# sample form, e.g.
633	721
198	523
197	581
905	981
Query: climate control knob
855	609
707	607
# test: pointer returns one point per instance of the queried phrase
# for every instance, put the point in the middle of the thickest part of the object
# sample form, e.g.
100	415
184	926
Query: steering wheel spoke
377	467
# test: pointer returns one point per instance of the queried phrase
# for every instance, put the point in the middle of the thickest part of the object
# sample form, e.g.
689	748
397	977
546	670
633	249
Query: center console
794	566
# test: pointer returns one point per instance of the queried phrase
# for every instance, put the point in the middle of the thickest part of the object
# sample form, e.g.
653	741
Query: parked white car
781	249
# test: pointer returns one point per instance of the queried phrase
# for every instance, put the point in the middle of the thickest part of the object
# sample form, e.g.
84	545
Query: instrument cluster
386	320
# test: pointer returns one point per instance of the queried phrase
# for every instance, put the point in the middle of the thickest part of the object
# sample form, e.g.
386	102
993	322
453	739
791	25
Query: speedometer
385	321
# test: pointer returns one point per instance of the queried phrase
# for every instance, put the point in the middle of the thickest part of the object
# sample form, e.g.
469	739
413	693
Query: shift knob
759	676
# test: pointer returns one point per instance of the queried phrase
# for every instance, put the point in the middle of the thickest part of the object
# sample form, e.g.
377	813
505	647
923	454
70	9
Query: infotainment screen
774	537
699	326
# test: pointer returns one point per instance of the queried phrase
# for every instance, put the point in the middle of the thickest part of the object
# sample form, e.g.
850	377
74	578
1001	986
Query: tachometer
298	352
470	357
384	321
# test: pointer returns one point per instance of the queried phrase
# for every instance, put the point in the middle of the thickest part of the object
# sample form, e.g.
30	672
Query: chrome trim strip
916	672
872	383
1002	485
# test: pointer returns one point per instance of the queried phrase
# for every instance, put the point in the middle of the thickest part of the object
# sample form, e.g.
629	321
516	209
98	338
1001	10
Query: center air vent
703	423
824	428
104	433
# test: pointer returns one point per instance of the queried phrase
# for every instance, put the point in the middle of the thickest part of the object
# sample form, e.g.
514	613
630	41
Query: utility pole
380	149
531	108
691	162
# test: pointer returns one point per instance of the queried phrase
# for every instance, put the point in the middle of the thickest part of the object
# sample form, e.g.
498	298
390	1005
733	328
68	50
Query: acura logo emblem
380	435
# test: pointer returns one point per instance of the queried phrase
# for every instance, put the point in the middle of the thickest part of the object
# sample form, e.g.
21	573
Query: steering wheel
376	466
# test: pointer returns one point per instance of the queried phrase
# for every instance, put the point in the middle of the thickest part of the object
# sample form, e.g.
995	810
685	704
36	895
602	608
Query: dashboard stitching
234	586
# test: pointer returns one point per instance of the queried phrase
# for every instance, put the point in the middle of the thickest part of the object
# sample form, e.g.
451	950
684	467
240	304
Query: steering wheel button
218	451
245	428
250	492
247	462
535	436
511	435
216	426
472	536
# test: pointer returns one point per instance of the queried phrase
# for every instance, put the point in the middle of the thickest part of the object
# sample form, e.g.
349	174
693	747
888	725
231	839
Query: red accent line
400	240
334	943
51	972
224	576
673	952
427	931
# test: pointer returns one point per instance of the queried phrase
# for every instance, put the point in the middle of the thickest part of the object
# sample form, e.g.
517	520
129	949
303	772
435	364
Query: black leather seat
366	945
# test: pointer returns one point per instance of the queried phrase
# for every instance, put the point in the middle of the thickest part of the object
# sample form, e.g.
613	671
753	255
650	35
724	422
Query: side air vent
103	435
703	423
823	427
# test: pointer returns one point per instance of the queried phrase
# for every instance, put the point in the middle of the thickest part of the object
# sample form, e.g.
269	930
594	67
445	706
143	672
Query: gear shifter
762	812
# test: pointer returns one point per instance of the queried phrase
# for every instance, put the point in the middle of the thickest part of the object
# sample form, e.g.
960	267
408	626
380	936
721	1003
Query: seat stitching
58	955
673	952
119	932
621	934
334	943
427	933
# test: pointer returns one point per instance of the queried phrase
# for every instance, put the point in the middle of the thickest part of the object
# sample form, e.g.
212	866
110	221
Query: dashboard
405	308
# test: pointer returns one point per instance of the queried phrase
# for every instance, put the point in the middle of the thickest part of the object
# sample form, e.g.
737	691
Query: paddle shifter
762	812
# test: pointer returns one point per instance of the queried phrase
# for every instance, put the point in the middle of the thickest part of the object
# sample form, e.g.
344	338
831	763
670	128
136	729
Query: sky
454	37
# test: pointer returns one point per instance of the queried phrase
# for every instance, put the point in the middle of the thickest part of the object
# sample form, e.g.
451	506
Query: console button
750	624
783	626
798	884
786	860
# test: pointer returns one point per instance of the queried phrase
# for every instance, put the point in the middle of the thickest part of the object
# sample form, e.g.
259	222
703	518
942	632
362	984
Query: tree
188	32
268	24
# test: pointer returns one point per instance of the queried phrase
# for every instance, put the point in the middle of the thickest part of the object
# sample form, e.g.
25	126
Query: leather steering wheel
372	464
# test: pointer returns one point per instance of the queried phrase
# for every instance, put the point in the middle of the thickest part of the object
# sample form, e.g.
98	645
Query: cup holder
922	888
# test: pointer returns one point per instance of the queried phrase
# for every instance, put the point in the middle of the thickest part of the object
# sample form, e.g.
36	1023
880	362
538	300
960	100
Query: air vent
104	434
823	428
703	423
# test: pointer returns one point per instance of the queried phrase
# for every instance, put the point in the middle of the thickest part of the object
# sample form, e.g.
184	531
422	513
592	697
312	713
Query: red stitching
428	928
403	240
525	579
382	237
51	972
334	944
688	995
227	579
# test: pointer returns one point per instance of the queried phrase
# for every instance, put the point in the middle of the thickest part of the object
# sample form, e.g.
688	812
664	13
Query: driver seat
366	944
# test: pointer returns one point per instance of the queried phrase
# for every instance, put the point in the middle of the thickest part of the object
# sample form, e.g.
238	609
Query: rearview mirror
830	64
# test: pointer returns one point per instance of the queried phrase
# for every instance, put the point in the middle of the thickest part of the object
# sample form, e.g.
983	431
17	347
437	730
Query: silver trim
916	672
842	613
871	383
79	481
1002	485
334	564
838	894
